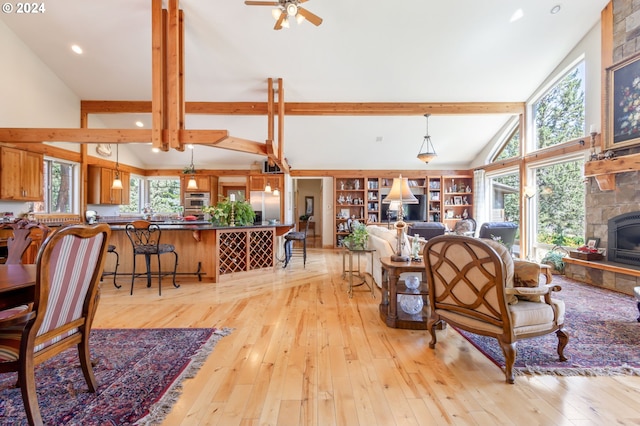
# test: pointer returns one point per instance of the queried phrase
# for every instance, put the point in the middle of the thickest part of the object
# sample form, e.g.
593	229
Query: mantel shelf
604	171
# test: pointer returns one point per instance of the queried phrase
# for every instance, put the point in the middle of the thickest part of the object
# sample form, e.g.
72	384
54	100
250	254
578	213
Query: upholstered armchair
427	230
475	285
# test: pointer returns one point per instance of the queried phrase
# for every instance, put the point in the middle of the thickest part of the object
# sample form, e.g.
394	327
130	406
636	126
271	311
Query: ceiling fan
287	9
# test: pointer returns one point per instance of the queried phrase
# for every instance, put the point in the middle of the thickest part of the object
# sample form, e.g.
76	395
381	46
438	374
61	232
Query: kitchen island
204	250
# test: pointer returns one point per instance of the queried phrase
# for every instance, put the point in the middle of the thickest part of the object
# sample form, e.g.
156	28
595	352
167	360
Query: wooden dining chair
69	266
18	244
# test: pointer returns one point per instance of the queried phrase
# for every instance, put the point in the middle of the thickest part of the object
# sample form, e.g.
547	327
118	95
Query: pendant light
117	183
192	184
267	188
427	152
276	192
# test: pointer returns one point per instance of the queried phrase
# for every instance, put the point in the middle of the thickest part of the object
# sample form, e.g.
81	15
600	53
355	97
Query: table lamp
401	193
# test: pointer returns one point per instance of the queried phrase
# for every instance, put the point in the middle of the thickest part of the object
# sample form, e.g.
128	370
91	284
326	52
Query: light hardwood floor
303	353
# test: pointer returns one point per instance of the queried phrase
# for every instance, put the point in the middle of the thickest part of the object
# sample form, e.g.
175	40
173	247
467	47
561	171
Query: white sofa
383	241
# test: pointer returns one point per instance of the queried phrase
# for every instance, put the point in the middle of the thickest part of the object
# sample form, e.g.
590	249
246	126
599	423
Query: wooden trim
383	174
172	75
157	76
604	266
315	108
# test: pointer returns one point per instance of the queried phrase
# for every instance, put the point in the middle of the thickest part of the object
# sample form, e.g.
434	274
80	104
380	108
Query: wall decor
308	206
623	98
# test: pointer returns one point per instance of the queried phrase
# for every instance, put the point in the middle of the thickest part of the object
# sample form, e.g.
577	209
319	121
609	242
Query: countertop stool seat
112	249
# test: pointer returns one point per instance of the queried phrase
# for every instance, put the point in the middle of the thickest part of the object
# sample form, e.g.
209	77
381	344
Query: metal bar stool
290	237
112	249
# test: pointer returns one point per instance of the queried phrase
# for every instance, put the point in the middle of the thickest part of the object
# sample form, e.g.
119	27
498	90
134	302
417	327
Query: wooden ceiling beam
173	75
316	108
238	144
157	75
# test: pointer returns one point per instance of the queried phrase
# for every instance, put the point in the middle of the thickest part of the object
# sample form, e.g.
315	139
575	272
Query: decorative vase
411	303
412	282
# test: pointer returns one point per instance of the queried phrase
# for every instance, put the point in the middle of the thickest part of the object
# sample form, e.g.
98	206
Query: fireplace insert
623	243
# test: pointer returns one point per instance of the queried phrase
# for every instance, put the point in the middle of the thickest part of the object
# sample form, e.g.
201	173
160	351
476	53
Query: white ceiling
364	51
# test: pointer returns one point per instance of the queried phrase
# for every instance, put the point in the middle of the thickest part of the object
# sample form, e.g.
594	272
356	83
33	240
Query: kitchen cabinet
258	182
99	189
203	182
21	175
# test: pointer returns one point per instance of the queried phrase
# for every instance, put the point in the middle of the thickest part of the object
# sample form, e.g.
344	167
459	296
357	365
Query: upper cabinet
203	182
21	175
99	189
258	182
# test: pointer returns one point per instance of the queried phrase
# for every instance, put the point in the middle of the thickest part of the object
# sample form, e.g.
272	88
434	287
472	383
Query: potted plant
555	259
243	214
358	237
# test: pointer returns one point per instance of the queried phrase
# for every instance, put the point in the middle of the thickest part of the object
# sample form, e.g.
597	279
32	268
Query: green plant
358	237
554	259
243	214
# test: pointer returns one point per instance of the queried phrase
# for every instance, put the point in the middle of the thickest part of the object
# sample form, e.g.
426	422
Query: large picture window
164	195
59	188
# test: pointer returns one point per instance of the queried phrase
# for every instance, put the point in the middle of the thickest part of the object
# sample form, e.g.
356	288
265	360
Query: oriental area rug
604	336
139	374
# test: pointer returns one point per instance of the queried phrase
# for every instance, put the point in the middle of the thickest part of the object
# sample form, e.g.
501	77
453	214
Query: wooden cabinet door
125	193
99	190
32	176
106	180
21	175
257	183
203	182
10	184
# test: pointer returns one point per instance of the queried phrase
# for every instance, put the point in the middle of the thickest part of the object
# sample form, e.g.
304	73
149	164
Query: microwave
196	200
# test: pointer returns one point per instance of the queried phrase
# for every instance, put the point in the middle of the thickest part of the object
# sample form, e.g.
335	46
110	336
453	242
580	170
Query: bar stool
290	237
112	249
145	240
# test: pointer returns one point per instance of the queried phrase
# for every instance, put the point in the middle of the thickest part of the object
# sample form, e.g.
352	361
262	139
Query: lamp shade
400	192
192	184
117	182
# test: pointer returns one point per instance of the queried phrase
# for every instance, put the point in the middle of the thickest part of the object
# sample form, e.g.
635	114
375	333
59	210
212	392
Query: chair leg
304	253
115	270
175	271
159	277
509	351
133	273
563	339
147	260
287	252
27	380
85	363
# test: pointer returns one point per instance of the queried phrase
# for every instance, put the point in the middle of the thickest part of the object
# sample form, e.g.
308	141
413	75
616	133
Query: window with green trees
164	195
511	148
135	196
59	188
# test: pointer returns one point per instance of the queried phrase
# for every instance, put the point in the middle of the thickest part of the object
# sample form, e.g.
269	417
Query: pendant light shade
427	152
192	184
117	182
267	187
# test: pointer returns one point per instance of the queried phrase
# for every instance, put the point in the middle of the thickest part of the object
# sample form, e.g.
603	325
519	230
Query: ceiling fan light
292	9
300	18
276	13
285	22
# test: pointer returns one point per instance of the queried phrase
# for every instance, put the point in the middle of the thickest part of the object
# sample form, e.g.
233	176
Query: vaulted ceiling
365	51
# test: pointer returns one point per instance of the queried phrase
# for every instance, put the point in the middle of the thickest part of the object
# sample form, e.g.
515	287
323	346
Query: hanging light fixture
427	152
267	187
276	192
117	183
192	184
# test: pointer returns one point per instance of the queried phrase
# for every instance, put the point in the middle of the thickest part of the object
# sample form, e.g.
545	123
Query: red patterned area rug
139	374
604	336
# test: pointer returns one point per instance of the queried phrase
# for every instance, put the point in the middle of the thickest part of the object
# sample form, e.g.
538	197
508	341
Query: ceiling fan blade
261	3
302	1
278	25
311	17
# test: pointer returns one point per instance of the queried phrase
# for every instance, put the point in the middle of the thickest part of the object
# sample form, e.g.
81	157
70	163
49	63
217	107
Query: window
60	190
505	197
164	195
511	148
135	196
558	116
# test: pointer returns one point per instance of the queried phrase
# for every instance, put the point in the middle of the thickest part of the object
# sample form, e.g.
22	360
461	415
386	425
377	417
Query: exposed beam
173	76
157	76
26	135
316	108
239	144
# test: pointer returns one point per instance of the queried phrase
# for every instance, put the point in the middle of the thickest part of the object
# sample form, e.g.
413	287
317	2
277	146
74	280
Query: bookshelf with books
457	199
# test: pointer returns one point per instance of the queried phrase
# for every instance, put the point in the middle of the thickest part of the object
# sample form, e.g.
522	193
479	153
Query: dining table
17	284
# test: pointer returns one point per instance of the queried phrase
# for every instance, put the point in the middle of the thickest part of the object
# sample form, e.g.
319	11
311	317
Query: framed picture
593	242
448	214
308	206
457	200
623	93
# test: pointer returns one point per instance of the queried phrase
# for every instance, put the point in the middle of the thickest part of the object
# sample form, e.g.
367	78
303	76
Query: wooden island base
203	250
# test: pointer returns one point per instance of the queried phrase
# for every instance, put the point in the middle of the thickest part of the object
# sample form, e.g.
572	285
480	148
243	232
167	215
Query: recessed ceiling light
77	49
139	124
516	15
555	9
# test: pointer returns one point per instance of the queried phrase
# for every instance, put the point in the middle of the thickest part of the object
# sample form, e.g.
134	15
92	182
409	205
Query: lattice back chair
475	285
69	266
145	241
18	244
300	236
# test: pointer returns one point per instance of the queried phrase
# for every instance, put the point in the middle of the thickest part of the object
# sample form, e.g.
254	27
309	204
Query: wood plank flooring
303	353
